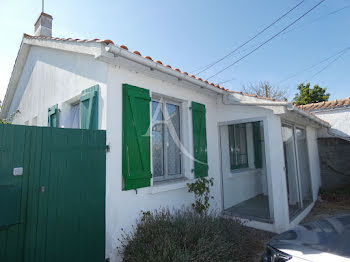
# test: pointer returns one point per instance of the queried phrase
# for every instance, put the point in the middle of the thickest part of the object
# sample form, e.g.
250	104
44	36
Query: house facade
165	128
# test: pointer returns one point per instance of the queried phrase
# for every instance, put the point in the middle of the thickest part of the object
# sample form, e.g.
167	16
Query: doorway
297	169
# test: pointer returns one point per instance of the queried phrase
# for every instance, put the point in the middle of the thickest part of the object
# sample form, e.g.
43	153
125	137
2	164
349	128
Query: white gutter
118	51
292	107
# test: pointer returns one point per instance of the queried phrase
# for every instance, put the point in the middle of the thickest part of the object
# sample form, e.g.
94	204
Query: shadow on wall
335	165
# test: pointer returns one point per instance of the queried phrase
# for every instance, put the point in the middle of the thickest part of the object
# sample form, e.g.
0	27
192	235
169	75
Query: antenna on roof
42	6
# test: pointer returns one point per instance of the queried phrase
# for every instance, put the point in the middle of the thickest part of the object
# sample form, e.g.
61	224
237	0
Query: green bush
184	235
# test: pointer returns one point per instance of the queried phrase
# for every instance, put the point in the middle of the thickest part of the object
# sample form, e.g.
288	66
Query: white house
165	128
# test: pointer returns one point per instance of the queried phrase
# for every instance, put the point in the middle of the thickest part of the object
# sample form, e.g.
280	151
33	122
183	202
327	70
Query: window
166	153
238	146
72	118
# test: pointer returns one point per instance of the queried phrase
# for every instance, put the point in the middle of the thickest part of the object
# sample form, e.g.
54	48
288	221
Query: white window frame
166	176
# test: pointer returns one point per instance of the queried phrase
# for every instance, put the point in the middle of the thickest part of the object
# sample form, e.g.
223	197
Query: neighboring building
336	112
334	143
165	128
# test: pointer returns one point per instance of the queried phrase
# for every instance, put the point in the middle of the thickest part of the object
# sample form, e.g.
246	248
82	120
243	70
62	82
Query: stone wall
335	162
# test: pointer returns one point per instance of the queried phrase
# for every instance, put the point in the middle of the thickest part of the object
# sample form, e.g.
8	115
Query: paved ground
324	208
321	209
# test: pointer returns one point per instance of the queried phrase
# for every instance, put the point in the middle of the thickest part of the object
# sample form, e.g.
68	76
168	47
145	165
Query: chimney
43	26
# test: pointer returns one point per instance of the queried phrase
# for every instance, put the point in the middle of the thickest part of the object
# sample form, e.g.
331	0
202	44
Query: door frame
294	126
267	162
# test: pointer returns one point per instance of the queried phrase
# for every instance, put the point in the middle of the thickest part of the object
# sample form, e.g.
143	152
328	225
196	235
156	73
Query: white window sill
243	172
169	185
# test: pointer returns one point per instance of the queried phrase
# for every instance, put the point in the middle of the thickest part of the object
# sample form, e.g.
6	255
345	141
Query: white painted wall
339	120
55	77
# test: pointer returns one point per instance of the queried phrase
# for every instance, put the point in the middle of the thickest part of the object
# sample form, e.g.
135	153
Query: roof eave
15	74
119	51
309	115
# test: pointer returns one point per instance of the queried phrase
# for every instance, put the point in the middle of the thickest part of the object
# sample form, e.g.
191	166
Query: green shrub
184	235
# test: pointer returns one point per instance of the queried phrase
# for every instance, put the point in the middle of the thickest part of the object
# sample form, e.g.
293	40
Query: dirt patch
265	237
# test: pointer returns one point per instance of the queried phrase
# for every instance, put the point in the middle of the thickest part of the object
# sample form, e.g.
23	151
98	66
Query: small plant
201	190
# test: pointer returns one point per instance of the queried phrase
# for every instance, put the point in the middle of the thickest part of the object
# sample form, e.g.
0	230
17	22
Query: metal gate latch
42	189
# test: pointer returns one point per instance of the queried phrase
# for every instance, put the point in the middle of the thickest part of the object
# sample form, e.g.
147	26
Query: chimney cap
43	25
43	14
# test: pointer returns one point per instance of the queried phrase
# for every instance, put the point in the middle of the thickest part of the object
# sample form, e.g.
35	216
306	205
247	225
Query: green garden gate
52	194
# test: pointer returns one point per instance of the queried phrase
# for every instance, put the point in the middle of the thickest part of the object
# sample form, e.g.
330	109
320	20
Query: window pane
303	159
72	119
157	139
243	159
232	147
291	169
238	146
172	140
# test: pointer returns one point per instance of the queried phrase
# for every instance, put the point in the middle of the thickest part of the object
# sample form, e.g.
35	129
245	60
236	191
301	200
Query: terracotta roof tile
302	107
137	53
327	104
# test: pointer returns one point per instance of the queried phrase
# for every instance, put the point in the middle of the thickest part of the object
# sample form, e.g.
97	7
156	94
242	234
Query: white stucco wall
339	120
54	77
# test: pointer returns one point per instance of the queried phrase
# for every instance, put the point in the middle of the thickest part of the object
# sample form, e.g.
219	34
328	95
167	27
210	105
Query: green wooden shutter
136	137
89	108
53	116
257	145
199	140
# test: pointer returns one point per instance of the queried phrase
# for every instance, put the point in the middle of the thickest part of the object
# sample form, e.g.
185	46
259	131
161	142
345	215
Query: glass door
297	168
291	170
303	164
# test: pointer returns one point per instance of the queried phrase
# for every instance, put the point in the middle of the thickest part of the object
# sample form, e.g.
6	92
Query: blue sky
193	33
